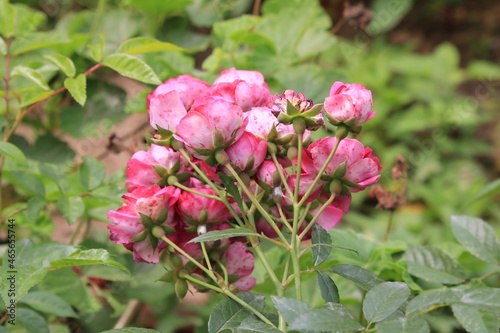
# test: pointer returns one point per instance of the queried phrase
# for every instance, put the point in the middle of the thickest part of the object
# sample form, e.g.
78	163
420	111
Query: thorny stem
256	203
230	295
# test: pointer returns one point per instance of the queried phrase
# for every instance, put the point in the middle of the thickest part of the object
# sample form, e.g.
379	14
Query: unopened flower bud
292	153
271	148
221	157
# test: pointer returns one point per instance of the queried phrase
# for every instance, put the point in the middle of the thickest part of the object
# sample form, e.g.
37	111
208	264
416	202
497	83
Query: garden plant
248	203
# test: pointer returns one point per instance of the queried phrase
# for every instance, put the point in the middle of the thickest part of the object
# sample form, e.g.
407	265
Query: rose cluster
235	128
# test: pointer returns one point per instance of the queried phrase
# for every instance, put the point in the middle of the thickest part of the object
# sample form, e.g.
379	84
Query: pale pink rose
306	180
140	171
128	223
248	152
199	209
260	121
171	100
349	103
245	284
219	118
230	75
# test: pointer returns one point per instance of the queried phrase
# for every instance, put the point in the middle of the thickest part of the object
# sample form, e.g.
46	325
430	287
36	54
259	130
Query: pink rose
199	209
349	103
239	260
151	202
269	174
140	171
248	152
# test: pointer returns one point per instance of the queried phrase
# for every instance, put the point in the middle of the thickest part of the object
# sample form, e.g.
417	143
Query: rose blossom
248	152
199	209
349	103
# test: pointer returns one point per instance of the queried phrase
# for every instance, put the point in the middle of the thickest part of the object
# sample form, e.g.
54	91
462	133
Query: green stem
316	216
97	18
188	189
320	173
194	261
283	217
267	266
282	175
212	185
230	295
256	203
205	254
388	228
77	231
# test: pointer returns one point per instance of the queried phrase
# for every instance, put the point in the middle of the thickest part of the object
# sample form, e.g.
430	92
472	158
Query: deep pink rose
349	103
199	209
269	174
128	222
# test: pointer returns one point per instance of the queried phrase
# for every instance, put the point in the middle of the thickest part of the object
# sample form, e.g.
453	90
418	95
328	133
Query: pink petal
330	217
166	110
239	260
195	130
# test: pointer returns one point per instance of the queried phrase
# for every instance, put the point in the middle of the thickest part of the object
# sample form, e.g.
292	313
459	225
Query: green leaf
35	206
27	181
432	264
29	99
158	7
146	45
320	252
320	320
432	299
32	75
223	234
228	315
132	67
253	324
91	172
384	299
8	15
478	237
491	188
360	276
71	208
97	50
131	330
88	257
231	188
290	308
387	15
50	149
403	324
77	88
51	171
486	299
11	151
32	321
25	278
37	40
474	320
63	63
48	303
328	288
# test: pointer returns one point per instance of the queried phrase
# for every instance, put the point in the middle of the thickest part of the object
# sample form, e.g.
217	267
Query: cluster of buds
236	131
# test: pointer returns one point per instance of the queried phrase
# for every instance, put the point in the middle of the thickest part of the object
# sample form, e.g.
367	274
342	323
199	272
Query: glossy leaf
25	278
432	264
320	252
132	67
403	324
11	151
37	40
32	75
48	303
92	172
478	237
63	63
228	315
31	321
486	299
475	321
72	208
360	276
146	45
320	320
77	88
384	299
88	257
223	234
29	99
328	288
290	308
